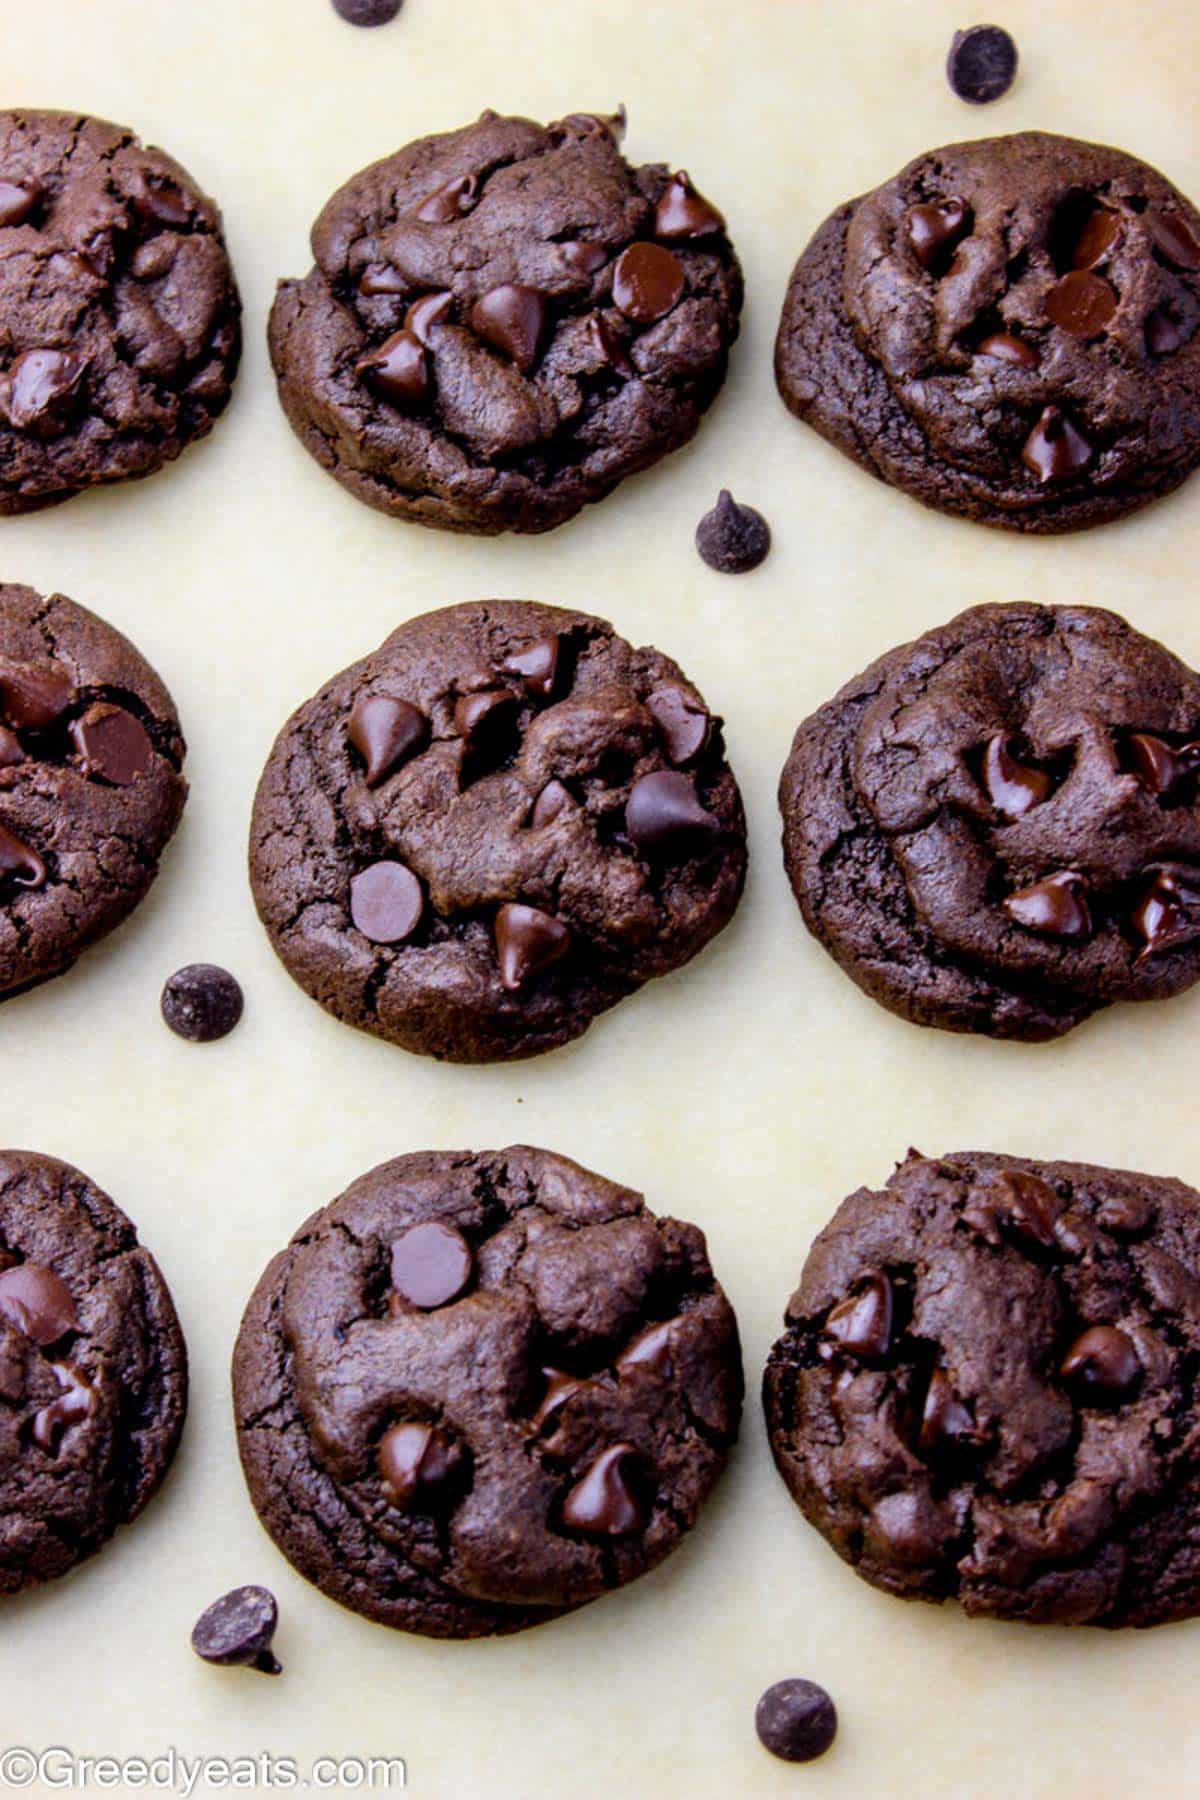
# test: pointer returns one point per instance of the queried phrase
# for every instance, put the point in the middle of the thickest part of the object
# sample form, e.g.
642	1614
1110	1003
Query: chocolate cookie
119	317
483	1387
93	1370
984	1391
495	827
996	828
505	321
90	783
1006	330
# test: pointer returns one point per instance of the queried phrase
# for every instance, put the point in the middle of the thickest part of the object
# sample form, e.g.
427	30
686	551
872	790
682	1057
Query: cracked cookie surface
503	322
90	782
483	1387
93	1370
504	821
985	1389
1007	331
996	828
119	317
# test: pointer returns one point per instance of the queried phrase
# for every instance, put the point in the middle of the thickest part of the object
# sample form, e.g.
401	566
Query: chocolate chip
1081	303
511	318
606	346
382	278
367	12
202	1002
664	815
796	1720
113	746
75	1403
398	371
537	666
861	1324
35	695
1174	240
386	902
560	1387
1102	1367
527	941
425	313
421	1467
611	125
11	753
732	539
40	390
683	212
1025	1207
1158	766
650	1349
946	1423
647	282
1056	449
432	1263
1056	907
236	1630
935	228
1011	786
1004	347
581	256
1165	331
18	863
982	63
550	804
386	732
486	721
17	202
1168	913
451	202
609	1500
684	726
161	200
38	1303
1098	232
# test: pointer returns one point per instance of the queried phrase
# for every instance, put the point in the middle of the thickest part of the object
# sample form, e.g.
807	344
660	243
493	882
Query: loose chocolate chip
1102	1366
935	228
550	804
732	539
202	1002
75	1403
367	12
537	666
861	1324
113	746
1011	786
1081	303
559	1389
946	1423
398	371
431	1264
609	1498
17	201
420	1466
1026	1207
1166	332
425	313
684	727
1056	907
664	815
1158	766
38	1303
1174	240
647	282
40	390
382	278
386	902
1099	231
796	1720
512	318
527	941
486	721
236	1631
982	63
18	863
386	731
451	202
581	256
1056	449
11	753
1004	347
650	1349
683	212
35	695
1168	913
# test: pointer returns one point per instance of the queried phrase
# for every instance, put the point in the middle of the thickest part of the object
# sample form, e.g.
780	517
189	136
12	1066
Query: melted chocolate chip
606	346
202	1003
486	721
1102	1367
19	863
1174	240
934	229
551	803
113	746
796	1720
650	1349
451	202
1025	1207
1004	347
432	1264
560	1388
382	278
684	726
1165	331
398	371
386	732
512	318
1158	766
537	666
236	1631
35	695
1012	787
582	257
647	282
527	941
426	313
1056	449
75	1403
609	1499
682	212
982	64
40	391
161	200
1056	907
38	1303
386	902
17	202
947	1423
1099	232
420	1466
861	1324
732	539
664	815
1168	913
1081	303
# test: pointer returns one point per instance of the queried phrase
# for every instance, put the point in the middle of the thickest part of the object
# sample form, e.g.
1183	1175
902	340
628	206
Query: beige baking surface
749	1093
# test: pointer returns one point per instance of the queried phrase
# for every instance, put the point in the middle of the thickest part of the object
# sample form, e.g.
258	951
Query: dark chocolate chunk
861	1324
982	63
35	695
236	1631
796	1720
202	1002
732	539
1081	303
113	745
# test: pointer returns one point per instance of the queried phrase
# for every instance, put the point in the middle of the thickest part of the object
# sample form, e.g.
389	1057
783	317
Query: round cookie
90	782
93	1370
984	1389
505	321
501	823
119	317
480	1388
995	828
1006	330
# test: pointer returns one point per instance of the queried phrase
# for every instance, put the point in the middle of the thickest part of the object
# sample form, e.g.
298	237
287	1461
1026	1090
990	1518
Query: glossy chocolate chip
1158	765
1004	347
35	695
398	371
1165	331
76	1402
38	1303
537	666
1174	240
610	125
683	725
581	257
606	347
1101	1367
386	902
512	318
527	941
683	212
19	864
647	282
161	200
1056	907
664	815
1168	912
1081	303
935	228
1026	1208
982	63
551	803
732	539
11	753
1013	787
650	1349
17	202
113	746
202	1003
451	202
426	313
1056	449
861	1324
560	1387
609	1500
383	279
947	1424
1099	232
432	1264
796	1720
485	721
40	390
236	1631
421	1466
386	732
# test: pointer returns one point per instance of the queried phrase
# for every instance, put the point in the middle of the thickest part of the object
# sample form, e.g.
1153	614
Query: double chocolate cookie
93	1370
1006	330
90	782
498	825
996	828
119	317
985	1389
478	1389
505	321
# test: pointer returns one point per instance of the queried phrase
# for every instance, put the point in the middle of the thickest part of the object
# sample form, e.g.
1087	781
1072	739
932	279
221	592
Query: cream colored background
749	1093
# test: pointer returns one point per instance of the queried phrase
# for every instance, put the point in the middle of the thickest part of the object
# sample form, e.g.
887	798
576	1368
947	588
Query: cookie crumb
982	64
202	1003
236	1631
732	539
796	1720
